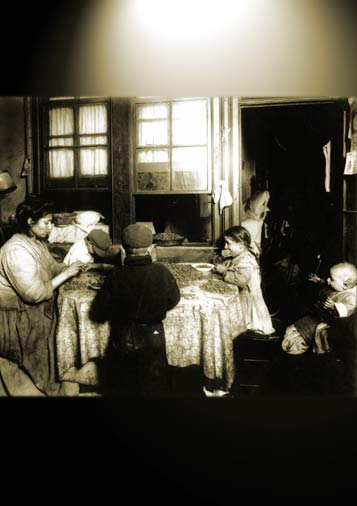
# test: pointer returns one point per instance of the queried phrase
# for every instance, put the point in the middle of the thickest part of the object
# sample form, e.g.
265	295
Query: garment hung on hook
256	208
327	153
221	195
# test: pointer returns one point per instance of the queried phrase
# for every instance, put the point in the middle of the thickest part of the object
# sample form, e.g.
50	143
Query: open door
294	149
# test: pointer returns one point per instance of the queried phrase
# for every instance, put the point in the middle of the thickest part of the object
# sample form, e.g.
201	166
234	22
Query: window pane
189	122
153	168
61	163
152	111
94	162
98	139
92	119
189	169
153	133
61	141
149	181
156	160
61	121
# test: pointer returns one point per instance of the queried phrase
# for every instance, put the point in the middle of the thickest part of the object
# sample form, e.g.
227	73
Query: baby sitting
337	298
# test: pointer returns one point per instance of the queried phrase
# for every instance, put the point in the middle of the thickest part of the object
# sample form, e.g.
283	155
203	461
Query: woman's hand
74	269
67	273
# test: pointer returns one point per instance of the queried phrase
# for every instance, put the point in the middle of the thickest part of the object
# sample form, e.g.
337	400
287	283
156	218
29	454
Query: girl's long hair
240	234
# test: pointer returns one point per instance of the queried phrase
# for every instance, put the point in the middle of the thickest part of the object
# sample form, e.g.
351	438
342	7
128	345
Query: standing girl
240	268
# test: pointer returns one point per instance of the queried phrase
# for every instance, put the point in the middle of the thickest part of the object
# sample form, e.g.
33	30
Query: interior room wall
12	151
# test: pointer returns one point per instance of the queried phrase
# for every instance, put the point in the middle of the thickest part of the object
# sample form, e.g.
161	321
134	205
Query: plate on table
205	268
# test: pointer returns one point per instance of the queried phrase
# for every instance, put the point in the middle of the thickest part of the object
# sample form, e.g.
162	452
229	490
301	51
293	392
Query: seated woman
29	277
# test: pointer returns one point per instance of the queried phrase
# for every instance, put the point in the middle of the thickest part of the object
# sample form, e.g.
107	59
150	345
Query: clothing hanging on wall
327	153
221	195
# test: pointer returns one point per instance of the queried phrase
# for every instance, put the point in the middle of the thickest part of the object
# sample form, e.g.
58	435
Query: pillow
87	218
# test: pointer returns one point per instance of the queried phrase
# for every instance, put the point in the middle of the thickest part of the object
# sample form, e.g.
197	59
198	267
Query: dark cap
100	241
137	236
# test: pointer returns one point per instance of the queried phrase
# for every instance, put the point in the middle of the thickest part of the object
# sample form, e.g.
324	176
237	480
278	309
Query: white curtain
153	126
93	120
93	128
61	123
94	161
61	163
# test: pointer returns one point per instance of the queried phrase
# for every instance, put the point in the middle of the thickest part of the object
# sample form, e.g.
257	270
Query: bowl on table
205	268
168	239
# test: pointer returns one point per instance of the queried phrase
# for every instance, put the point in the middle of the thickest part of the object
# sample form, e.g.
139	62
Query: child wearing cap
94	248
135	299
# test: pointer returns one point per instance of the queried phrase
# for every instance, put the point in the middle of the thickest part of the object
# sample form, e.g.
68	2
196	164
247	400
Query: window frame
170	146
77	181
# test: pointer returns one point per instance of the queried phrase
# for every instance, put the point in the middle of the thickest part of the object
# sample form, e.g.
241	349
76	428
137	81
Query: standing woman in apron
29	277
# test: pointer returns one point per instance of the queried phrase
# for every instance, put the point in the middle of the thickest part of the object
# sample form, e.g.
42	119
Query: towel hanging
327	153
221	195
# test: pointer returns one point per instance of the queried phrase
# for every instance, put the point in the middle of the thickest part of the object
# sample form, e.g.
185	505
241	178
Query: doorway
295	151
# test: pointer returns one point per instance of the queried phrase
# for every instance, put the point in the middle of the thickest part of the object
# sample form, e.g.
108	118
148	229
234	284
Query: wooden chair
255	357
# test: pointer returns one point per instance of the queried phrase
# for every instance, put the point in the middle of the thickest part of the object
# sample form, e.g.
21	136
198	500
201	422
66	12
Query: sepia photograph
178	226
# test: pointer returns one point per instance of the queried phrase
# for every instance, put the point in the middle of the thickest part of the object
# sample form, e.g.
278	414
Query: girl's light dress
243	271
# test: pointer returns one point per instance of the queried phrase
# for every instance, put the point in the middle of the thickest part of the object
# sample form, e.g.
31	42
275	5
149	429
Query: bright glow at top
182	19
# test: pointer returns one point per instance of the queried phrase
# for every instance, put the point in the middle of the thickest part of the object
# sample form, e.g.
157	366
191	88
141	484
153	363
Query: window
172	146
76	142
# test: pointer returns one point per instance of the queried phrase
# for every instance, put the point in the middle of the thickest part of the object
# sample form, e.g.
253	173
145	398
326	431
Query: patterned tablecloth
199	330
